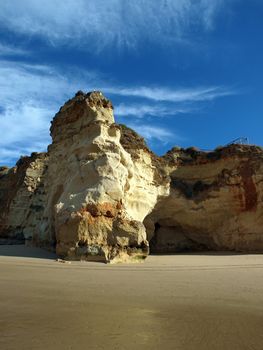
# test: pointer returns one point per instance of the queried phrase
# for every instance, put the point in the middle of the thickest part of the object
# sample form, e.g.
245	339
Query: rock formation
215	202
100	194
22	199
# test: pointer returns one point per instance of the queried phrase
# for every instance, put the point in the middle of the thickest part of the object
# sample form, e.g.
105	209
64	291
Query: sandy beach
185	301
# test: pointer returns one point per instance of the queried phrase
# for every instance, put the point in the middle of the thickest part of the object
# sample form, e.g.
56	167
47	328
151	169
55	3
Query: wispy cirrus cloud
197	94
24	130
41	85
156	133
140	110
30	95
163	101
100	24
11	50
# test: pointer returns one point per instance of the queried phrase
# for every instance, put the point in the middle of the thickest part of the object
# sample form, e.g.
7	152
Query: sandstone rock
100	194
22	199
215	202
97	194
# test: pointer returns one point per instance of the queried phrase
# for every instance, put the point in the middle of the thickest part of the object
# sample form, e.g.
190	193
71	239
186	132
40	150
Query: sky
180	72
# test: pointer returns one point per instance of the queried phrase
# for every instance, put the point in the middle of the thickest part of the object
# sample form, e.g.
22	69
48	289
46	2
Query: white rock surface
98	195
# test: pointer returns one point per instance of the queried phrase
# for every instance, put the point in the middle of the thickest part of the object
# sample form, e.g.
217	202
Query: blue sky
180	72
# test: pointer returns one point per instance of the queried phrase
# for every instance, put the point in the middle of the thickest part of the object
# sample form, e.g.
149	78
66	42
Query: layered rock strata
215	202
100	194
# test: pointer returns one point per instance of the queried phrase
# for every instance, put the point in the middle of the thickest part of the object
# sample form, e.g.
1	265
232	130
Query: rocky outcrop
100	194
215	202
22	199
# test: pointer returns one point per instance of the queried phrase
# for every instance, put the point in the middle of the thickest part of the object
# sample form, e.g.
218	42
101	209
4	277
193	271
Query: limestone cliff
100	194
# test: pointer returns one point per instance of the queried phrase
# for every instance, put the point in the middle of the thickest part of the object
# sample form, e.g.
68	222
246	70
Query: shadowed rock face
22	199
100	194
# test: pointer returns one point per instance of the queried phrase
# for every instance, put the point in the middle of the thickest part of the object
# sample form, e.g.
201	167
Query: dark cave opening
174	239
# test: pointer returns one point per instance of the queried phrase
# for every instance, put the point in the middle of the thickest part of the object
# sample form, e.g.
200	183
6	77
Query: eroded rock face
22	199
100	194
215	202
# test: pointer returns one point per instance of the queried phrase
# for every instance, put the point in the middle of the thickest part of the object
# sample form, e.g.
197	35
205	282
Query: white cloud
197	94
99	23
156	133
24	129
10	50
141	110
20	82
30	95
28	101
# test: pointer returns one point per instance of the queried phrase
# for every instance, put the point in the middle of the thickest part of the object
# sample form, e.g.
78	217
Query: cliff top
197	156
76	108
93	98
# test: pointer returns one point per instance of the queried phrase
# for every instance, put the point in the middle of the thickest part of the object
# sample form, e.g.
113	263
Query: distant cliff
100	194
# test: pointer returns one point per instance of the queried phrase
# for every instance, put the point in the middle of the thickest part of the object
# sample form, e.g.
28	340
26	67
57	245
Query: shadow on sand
24	251
205	253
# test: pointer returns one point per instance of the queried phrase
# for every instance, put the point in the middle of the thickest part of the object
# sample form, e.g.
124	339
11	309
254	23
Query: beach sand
186	301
